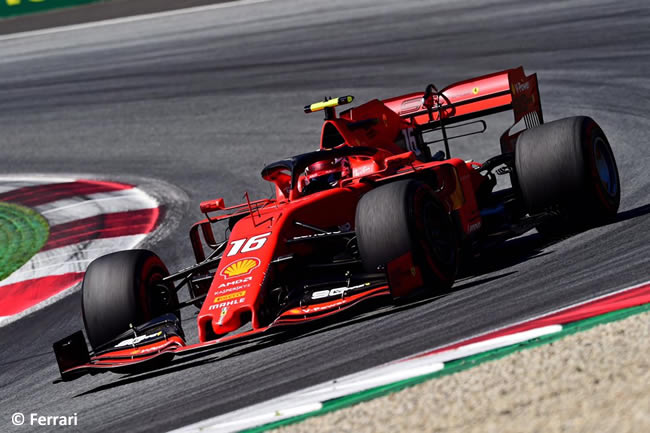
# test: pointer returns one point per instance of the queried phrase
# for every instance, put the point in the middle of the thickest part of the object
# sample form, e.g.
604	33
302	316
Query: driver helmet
326	174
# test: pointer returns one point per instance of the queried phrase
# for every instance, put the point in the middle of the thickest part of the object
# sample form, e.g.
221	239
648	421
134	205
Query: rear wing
478	97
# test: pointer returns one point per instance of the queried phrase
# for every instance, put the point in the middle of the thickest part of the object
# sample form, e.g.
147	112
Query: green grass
23	233
13	8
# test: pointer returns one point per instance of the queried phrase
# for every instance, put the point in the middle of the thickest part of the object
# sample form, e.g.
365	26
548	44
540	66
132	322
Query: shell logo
240	267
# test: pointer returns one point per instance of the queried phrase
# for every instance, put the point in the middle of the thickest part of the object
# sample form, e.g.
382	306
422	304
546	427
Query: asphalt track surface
204	100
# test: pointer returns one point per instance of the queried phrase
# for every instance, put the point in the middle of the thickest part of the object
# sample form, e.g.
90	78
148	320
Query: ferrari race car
373	213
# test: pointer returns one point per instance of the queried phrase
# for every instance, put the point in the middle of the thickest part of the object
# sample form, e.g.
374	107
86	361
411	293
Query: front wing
156	343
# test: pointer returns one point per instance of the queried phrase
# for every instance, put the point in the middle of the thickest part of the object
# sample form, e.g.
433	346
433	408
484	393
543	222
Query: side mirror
212	205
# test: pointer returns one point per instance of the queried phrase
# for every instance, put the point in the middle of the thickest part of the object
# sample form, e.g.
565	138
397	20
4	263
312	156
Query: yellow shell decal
240	267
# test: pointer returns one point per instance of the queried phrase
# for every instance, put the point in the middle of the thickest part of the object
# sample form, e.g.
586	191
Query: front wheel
124	289
402	217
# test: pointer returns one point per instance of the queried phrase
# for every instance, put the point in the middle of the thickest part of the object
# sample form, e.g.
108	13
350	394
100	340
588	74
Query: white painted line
7	188
35	179
130	19
263	418
14	185
80	207
491	344
371	378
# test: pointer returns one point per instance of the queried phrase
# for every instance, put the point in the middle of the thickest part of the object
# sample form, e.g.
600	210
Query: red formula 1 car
372	213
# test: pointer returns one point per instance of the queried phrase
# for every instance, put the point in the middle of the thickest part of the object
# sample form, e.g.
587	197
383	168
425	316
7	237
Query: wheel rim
605	167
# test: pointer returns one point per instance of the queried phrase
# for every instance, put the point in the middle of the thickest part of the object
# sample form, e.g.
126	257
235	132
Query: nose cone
227	307
222	318
237	289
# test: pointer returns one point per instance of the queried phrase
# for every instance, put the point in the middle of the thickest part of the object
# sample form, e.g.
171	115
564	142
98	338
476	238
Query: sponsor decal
248	244
522	87
229	296
136	340
339	291
148	349
226	304
410	141
409	106
364	169
231	285
475	90
473	227
240	267
232	289
224	310
321	308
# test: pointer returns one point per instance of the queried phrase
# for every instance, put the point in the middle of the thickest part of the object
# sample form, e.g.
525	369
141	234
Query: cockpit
313	172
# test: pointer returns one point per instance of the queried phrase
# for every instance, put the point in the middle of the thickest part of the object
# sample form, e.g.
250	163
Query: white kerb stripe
10	183
70	258
86	206
312	397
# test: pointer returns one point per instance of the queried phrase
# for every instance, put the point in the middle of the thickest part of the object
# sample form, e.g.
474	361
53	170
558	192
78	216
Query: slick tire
568	166
405	216
124	289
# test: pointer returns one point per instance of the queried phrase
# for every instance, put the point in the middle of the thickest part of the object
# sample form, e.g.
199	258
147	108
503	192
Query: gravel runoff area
593	381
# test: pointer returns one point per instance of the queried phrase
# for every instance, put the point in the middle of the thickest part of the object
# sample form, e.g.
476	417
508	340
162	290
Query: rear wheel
402	217
124	289
568	165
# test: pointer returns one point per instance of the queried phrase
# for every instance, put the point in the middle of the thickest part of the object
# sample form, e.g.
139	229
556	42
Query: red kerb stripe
103	226
39	194
17	297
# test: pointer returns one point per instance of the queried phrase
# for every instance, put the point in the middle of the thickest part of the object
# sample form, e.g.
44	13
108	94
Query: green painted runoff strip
12	8
23	233
456	366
